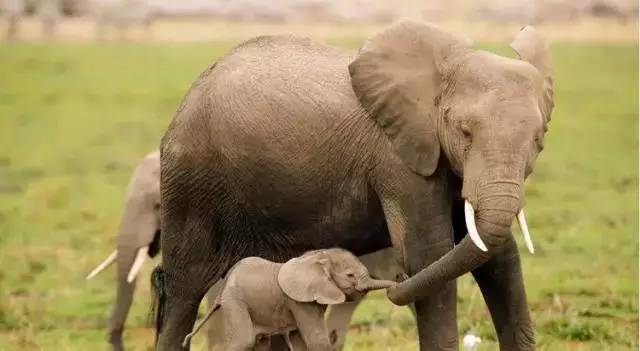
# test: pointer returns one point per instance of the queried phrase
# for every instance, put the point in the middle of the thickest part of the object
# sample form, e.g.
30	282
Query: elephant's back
273	136
280	89
278	68
277	80
282	106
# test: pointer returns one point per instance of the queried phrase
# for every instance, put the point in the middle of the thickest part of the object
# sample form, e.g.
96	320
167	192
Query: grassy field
76	118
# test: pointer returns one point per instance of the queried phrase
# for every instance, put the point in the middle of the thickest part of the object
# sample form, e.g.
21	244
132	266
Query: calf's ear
307	279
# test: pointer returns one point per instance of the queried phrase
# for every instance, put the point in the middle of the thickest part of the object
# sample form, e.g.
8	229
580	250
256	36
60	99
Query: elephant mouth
470	221
354	296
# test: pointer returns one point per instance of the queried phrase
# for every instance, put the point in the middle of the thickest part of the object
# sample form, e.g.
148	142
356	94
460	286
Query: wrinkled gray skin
261	298
286	145
140	227
380	264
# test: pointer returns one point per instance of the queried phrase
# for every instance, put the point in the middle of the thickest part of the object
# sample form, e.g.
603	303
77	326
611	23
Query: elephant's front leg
309	319
418	214
337	321
501	283
502	286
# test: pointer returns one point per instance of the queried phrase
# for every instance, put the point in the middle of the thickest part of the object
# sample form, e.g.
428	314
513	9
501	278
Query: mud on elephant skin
262	298
284	142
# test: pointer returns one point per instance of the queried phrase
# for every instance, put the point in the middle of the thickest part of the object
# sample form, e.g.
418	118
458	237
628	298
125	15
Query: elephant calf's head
435	96
328	277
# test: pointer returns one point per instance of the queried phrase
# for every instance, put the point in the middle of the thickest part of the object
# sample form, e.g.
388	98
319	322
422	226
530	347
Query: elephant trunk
374	284
124	297
493	217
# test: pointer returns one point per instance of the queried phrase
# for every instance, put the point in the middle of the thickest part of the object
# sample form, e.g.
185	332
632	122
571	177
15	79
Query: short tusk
525	231
106	263
470	219
137	264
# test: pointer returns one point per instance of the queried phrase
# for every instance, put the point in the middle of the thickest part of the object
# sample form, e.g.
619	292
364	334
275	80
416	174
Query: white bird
471	342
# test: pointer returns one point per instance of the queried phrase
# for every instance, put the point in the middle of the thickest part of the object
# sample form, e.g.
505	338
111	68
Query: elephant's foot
520	339
115	339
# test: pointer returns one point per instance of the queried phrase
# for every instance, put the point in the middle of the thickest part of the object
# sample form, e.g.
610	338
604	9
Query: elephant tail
201	323
158	298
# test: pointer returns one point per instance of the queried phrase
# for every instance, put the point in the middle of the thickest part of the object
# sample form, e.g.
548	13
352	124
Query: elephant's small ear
532	47
396	78
307	279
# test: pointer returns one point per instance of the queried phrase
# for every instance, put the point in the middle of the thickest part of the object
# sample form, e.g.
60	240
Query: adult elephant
286	145
139	238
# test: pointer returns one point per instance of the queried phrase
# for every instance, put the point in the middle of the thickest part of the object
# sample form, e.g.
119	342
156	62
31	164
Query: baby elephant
261	298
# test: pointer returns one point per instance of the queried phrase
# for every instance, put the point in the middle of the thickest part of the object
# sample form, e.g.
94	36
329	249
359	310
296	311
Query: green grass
76	118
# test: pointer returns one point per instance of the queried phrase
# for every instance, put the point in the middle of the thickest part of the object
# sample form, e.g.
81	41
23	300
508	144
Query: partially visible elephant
14	11
262	298
139	236
50	12
122	15
286	145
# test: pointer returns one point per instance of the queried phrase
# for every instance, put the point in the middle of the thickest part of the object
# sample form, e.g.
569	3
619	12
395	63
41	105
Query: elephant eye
539	144
350	275
466	131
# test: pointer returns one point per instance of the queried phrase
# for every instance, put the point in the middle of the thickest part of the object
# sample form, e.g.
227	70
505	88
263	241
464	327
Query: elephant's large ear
532	47
307	278
396	77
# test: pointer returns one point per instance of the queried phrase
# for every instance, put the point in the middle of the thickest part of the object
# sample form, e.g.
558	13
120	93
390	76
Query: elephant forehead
490	71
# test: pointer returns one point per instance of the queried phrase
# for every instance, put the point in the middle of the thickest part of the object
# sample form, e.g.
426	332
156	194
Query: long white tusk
469	218
525	231
106	263
137	264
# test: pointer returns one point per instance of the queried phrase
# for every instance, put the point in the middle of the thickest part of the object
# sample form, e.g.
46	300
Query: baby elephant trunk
369	284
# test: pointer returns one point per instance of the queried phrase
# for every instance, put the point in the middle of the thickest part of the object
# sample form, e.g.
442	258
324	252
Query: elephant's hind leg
215	325
183	291
239	334
191	259
189	273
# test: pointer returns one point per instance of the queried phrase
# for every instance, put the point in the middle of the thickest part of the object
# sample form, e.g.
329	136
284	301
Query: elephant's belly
282	221
357	225
275	320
